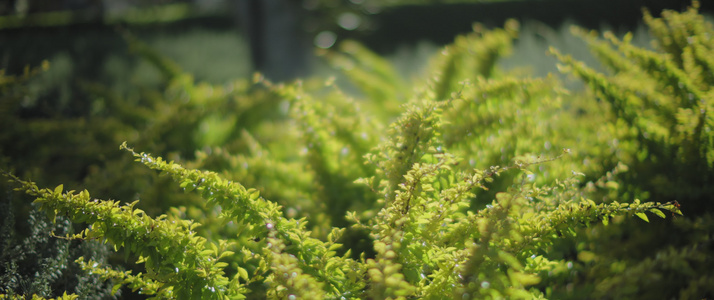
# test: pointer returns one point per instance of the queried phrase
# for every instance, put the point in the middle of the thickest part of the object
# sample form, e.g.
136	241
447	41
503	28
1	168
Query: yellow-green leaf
642	216
243	273
58	189
612	185
116	288
254	195
658	212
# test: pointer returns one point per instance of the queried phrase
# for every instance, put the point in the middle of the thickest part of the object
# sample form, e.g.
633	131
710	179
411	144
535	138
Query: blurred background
219	40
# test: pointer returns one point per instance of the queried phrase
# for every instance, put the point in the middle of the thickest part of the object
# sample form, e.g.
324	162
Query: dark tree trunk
279	48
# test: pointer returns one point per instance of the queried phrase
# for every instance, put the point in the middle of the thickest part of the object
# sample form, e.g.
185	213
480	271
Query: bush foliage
466	183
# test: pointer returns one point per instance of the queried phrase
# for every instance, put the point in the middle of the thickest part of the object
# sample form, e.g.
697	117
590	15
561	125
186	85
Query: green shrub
664	97
471	184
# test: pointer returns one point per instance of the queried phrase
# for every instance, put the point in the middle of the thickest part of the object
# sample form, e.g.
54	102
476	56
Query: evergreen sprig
193	270
258	217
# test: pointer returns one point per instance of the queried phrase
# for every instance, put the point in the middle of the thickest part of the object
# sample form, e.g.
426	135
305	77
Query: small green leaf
586	256
643	217
243	273
84	194
510	260
524	279
657	212
612	185
254	195
52	215
334	247
116	288
58	189
226	254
